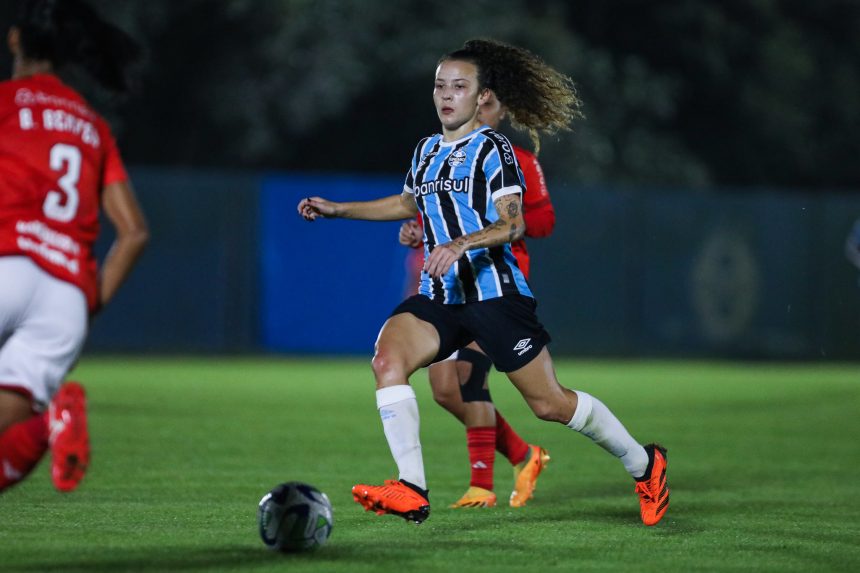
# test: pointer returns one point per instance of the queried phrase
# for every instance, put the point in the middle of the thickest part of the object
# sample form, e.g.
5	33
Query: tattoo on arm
511	206
503	230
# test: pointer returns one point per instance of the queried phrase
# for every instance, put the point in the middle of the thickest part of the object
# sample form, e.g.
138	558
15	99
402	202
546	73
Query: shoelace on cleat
644	492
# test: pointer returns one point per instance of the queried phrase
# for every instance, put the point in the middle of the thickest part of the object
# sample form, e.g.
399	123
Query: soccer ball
294	516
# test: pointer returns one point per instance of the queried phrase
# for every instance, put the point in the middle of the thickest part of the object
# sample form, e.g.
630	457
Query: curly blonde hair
539	98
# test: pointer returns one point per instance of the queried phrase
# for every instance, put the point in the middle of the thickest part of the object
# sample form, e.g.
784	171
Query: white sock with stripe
398	409
593	419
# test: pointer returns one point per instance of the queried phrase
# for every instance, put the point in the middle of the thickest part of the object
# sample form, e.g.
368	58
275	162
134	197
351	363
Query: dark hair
71	32
539	98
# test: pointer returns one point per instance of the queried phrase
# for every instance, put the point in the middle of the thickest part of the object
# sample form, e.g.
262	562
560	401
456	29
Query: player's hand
442	257
313	208
410	234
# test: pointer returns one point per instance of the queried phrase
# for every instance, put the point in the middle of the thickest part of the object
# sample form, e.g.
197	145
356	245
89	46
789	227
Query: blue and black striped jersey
455	185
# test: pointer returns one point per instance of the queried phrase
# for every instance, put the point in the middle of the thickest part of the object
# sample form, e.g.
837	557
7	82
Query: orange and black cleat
394	497
653	488
68	436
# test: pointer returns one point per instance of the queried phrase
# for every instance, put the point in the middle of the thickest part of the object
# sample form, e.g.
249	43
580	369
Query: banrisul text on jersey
455	185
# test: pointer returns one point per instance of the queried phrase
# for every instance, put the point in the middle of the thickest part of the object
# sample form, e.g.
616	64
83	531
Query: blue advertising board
327	286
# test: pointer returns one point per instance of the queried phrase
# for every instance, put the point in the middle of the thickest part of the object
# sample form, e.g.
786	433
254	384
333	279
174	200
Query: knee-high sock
508	442
593	419
398	409
22	445
481	442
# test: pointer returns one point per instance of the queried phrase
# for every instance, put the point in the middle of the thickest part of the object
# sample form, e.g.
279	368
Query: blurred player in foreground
467	185
58	165
460	382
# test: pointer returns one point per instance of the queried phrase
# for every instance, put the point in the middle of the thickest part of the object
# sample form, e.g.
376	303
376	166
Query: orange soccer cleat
653	489
68	436
475	497
526	474
395	497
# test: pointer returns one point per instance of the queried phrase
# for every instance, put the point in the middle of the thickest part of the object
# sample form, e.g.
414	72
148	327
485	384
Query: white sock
593	419
398	409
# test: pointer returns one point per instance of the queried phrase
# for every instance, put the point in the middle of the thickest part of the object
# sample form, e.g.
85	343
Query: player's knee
446	398
386	365
474	388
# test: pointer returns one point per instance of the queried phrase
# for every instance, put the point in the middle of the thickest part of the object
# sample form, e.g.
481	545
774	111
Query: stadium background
702	206
702	210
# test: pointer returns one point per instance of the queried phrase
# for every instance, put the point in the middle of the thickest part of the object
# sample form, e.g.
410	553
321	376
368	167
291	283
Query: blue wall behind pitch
327	286
628	272
196	287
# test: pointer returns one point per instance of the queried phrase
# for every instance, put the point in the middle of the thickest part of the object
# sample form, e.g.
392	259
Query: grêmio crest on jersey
455	184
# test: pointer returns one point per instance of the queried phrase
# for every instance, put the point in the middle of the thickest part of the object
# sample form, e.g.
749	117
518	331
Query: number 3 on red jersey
65	159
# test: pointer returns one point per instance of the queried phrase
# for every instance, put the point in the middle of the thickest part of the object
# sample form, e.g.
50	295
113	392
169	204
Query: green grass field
763	469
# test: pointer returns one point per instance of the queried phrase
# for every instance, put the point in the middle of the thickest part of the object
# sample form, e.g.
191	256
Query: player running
467	185
58	165
460	382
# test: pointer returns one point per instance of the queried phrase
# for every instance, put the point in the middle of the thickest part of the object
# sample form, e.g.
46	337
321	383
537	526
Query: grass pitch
763	466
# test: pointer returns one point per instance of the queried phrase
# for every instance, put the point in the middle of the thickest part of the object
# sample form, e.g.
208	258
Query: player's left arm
508	228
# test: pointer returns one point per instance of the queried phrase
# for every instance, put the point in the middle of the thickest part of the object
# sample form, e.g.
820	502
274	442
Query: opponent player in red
59	165
459	384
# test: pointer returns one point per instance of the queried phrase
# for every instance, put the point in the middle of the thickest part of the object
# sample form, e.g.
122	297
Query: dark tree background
686	93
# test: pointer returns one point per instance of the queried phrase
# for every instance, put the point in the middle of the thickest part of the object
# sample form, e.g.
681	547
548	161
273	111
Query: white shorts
43	326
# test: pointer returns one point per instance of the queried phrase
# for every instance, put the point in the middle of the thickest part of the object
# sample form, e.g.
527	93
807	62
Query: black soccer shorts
506	328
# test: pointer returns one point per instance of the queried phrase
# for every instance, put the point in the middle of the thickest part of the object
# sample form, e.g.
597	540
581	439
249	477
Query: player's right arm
391	208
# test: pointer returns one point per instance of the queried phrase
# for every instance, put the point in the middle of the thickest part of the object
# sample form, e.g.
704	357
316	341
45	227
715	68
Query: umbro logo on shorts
523	346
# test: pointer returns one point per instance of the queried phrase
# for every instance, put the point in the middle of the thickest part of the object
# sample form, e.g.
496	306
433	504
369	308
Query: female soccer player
466	184
459	383
58	164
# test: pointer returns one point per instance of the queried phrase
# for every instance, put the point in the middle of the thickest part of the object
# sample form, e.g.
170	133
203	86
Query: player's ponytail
71	32
539	98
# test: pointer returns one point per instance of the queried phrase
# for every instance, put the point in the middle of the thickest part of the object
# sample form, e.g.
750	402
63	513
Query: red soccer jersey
538	211
56	156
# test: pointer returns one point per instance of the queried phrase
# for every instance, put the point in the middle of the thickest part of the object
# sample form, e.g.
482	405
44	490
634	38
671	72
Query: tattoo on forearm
502	230
482	234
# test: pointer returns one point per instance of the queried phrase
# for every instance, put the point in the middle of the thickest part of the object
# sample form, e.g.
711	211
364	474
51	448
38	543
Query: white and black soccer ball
294	516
